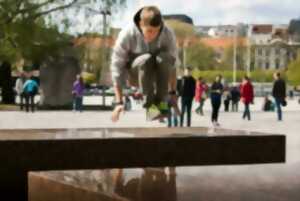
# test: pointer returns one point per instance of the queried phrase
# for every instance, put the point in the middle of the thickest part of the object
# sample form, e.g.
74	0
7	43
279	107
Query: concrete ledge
38	150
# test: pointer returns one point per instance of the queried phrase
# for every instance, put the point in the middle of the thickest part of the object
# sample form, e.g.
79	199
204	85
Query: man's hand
116	113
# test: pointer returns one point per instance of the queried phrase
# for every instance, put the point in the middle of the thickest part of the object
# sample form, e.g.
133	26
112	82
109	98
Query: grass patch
9	107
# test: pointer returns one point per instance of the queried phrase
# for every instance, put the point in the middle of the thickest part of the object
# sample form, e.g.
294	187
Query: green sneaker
164	108
152	113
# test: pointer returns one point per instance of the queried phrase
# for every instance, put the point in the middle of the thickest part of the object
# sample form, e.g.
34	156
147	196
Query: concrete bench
22	151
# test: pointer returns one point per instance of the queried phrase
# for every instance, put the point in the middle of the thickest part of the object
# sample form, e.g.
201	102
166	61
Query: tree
185	33
200	56
6	83
293	72
294	29
38	29
30	28
227	60
89	58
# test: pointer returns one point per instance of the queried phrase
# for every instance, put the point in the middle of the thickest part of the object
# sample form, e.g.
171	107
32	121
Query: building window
277	51
259	51
267	65
277	64
259	64
267	52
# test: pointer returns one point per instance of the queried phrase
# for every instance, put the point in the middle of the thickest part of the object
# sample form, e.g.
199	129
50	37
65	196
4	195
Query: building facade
271	46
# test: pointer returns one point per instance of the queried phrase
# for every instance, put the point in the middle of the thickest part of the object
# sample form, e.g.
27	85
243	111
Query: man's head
150	22
276	75
187	71
218	78
246	78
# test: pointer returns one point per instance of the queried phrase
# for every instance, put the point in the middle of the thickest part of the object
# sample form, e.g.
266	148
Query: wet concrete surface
265	182
222	183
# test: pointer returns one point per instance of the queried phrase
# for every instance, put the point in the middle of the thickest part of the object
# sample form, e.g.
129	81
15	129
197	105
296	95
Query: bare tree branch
53	10
35	7
15	13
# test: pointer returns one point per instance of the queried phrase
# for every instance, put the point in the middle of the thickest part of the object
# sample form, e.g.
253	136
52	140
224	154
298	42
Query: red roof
262	29
93	42
223	43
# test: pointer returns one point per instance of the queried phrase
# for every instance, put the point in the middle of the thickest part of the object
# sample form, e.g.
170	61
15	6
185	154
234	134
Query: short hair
246	78
277	74
189	68
151	16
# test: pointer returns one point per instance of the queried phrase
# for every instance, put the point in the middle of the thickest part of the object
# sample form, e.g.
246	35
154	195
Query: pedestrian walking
200	94
247	96
279	94
77	92
216	91
187	94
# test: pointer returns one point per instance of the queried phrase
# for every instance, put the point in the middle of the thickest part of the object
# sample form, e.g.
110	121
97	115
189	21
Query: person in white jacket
145	55
19	89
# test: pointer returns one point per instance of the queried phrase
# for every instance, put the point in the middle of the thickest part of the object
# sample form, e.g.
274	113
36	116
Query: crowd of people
145	56
191	90
26	88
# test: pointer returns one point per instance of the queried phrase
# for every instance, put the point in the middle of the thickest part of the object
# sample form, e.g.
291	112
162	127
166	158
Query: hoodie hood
137	18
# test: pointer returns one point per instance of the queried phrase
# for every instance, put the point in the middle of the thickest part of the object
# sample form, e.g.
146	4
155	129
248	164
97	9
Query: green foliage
182	30
92	59
227	60
256	76
88	78
29	29
293	72
200	56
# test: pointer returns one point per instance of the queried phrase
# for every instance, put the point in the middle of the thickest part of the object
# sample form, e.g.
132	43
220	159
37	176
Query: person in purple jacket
78	88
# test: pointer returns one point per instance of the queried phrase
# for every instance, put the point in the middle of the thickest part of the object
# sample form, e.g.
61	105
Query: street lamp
104	54
104	12
248	51
234	54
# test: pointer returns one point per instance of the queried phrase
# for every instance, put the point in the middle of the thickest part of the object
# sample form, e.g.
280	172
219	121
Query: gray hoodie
130	41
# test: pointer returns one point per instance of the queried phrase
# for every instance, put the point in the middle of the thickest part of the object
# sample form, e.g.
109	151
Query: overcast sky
214	12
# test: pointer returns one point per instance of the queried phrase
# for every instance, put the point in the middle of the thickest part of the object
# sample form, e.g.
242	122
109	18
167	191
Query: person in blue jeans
173	110
279	93
187	93
30	89
78	88
216	91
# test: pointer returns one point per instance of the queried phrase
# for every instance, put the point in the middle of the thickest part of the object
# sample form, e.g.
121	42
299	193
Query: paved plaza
264	182
261	121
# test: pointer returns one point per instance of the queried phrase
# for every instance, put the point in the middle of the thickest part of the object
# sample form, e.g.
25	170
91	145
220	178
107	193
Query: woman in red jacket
247	96
200	94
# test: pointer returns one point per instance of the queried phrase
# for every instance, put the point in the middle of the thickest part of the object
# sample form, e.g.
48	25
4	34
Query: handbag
283	103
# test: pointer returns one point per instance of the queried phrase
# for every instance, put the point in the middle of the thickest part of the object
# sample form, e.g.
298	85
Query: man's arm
119	61
118	93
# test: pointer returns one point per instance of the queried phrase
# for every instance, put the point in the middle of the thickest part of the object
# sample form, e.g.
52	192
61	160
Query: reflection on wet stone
154	184
146	184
